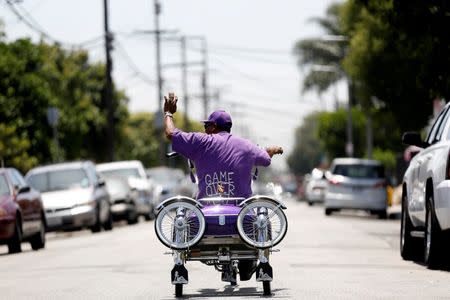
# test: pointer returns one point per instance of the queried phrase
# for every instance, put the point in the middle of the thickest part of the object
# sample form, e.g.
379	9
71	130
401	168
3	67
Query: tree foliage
308	152
34	77
316	52
399	52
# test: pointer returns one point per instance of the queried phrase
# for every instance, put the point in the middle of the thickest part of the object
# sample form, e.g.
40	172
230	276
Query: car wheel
15	243
310	203
328	211
266	288
433	241
410	247
178	290
132	217
97	227
382	214
108	225
38	240
150	216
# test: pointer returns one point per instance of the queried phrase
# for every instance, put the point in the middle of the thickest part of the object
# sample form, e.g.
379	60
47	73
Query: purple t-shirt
221	159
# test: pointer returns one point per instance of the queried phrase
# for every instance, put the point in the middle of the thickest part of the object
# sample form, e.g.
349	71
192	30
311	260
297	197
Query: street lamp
349	128
349	149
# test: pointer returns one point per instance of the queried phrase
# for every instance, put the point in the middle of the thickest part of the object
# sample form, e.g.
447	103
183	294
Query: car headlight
89	201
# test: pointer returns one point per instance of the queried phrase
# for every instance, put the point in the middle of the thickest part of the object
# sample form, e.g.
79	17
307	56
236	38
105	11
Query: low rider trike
235	235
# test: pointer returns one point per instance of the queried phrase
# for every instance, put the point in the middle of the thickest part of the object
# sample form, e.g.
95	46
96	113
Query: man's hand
274	150
170	103
170	107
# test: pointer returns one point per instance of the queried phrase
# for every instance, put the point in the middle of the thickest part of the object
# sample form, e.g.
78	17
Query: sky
251	70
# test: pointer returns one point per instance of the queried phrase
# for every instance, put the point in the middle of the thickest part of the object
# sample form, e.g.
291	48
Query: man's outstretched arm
170	107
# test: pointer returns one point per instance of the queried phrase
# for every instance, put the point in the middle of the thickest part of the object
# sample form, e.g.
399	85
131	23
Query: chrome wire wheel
180	225
262	224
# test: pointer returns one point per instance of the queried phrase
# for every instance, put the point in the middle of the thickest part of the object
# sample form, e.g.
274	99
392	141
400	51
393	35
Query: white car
355	183
134	172
425	222
73	196
316	187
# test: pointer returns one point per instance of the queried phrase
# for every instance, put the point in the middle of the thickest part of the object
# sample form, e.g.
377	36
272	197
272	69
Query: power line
25	17
248	57
132	64
252	50
245	57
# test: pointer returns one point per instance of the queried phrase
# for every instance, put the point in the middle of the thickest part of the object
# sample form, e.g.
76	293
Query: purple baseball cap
220	117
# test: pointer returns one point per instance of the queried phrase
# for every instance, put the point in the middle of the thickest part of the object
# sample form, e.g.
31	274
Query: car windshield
116	185
164	176
359	171
59	180
4	189
127	173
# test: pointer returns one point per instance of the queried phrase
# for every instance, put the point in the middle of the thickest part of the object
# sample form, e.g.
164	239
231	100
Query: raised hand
170	103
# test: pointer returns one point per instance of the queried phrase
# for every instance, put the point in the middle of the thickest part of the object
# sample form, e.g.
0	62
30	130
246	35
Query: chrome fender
178	198
262	197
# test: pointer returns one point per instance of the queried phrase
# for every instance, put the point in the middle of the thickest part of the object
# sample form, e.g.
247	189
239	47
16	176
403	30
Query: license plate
54	221
357	189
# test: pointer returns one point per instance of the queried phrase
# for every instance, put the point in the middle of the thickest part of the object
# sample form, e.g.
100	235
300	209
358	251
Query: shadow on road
234	291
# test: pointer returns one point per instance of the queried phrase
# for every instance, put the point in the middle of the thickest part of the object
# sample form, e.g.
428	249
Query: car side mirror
101	182
414	139
24	189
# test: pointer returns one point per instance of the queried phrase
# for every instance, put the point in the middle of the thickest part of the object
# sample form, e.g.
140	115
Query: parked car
74	196
316	187
354	183
123	199
425	222
169	182
21	212
134	172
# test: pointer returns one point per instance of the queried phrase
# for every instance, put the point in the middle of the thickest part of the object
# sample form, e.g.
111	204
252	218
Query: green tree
399	52
308	152
322	52
332	133
141	140
34	77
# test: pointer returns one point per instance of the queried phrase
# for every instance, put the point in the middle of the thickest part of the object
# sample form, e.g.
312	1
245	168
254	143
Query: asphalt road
345	256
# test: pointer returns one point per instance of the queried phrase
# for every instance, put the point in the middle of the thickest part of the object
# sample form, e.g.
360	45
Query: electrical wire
25	17
251	50
132	64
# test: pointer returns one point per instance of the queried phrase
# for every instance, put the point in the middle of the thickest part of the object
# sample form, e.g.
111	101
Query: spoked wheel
262	224
180	225
266	288
178	290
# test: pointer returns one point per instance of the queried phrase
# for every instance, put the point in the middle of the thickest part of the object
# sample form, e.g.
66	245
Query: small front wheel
266	288
178	290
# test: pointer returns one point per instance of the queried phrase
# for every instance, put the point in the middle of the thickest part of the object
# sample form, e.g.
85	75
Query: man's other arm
274	150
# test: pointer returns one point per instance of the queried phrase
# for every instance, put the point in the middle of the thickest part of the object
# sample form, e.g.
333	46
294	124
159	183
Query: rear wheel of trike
266	288
262	224
178	290
180	225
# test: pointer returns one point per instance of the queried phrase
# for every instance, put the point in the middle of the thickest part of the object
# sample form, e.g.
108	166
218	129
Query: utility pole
158	117
184	83
349	143
184	64
108	91
205	79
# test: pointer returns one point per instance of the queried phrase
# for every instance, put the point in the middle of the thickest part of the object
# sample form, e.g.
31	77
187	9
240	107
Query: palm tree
327	51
